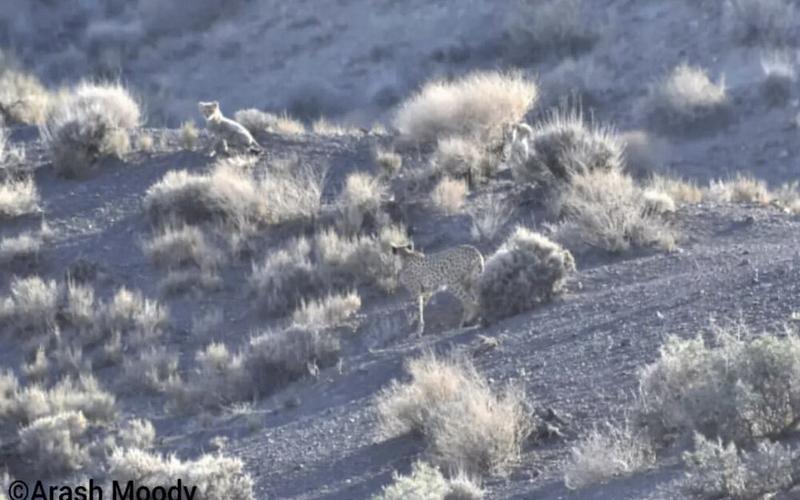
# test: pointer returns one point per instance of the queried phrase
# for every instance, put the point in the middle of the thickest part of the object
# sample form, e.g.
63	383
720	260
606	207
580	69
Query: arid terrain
234	301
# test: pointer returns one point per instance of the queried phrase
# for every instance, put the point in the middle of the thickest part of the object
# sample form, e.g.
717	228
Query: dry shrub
463	158
285	277
427	483
325	128
154	369
189	135
687	102
607	210
259	122
563	146
739	388
360	202
226	193
20	249
465	424
53	443
215	476
178	246
780	77
448	195
681	191
490	218
389	161
293	191
479	105
604	454
18	197
715	470
32	305
91	123
527	270
740	189
328	312
23	98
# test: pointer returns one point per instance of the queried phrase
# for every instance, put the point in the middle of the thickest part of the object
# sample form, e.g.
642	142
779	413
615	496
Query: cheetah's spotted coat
456	269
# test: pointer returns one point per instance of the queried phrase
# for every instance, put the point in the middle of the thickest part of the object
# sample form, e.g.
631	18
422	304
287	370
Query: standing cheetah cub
456	269
226	131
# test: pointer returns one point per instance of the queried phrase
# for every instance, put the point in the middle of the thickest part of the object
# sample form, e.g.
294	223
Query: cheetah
456	269
226	131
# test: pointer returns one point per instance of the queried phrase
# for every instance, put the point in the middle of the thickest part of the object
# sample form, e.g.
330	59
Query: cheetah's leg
421	314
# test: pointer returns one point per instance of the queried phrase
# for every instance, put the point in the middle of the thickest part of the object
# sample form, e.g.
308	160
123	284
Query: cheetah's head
406	250
208	108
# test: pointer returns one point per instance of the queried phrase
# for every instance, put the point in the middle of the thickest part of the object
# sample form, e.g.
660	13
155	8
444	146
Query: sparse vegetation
328	312
687	102
738	387
389	161
564	146
427	483
18	197
323	127
23	98
189	135
91	123
52	443
609	211
608	453
780	77
175	247
463	158
448	195
715	470
259	122
360	203
216	477
478	106
464	422
19	249
526	271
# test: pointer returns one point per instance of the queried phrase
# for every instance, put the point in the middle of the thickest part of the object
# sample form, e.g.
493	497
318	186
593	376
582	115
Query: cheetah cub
226	131
456	269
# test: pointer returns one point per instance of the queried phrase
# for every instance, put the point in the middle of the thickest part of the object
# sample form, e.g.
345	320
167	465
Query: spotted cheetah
456	269
226	131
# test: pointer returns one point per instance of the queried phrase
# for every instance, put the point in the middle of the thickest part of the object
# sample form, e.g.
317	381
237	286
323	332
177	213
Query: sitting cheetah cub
456	269
226	131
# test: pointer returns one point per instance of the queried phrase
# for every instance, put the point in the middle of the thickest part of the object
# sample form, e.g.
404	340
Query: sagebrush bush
153	369
389	161
20	249
448	195
325	128
609	211
226	193
738	388
177	246
490	218
564	145
780	77
463	158
550	25
527	270
259	122
327	312
607	453
760	21
681	191
360	202
715	470
465	424
32	305
427	483
189	135
18	197
479	106
22	406
293	191
23	98
53	444
687	102
215	476
739	189
92	122
286	277
137	433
